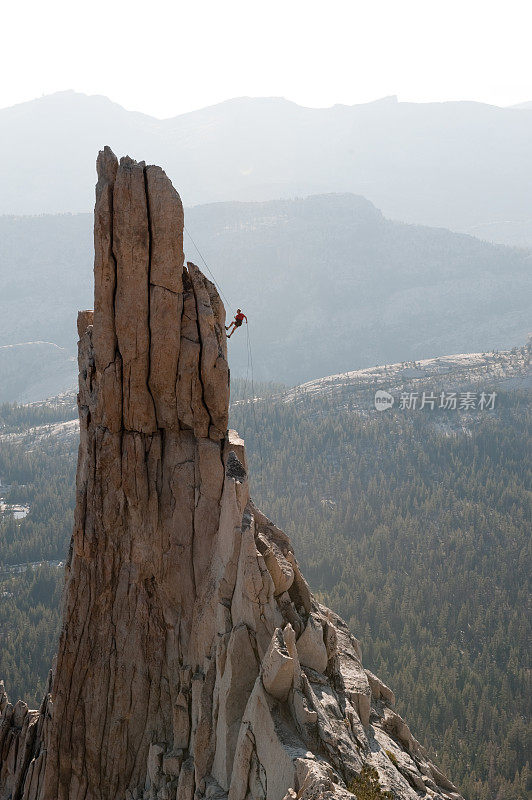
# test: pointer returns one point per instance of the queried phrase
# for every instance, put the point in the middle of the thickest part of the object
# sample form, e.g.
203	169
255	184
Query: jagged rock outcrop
194	661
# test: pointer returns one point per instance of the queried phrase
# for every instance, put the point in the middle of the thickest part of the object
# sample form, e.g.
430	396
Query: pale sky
166	58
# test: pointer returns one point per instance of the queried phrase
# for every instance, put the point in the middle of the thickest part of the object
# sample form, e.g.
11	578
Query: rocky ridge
194	662
506	370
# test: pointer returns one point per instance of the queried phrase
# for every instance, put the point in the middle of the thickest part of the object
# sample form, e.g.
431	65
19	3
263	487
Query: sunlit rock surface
193	660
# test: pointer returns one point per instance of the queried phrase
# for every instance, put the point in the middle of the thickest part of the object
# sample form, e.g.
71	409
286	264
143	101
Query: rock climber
236	323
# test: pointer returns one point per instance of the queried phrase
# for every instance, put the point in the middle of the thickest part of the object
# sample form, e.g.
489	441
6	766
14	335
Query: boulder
311	647
277	668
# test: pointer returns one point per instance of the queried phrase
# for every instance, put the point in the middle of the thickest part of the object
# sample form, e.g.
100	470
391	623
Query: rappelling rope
250	354
245	395
257	437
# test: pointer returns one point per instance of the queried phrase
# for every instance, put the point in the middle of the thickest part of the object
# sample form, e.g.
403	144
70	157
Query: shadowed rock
193	660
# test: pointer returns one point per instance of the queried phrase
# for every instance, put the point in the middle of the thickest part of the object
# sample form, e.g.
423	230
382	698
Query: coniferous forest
415	530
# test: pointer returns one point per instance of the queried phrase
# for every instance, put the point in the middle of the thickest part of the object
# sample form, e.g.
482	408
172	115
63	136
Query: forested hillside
421	541
417	536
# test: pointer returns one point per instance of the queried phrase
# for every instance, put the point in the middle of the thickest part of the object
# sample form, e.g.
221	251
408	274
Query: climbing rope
257	437
245	395
249	367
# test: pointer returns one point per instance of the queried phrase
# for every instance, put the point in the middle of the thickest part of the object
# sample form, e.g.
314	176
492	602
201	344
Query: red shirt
240	317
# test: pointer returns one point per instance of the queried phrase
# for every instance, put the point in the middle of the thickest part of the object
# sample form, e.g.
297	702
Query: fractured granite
194	661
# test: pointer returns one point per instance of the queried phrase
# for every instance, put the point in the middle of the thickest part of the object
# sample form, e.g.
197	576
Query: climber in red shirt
236	323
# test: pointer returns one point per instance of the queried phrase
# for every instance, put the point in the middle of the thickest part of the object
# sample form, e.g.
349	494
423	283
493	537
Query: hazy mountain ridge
466	166
33	370
328	283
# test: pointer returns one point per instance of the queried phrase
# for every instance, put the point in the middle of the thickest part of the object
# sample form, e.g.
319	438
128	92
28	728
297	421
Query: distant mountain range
461	165
328	283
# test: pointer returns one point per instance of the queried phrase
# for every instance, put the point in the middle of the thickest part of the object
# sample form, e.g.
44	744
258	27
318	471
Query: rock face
193	660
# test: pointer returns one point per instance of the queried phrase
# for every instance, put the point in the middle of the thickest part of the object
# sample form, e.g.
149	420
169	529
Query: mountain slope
465	166
328	283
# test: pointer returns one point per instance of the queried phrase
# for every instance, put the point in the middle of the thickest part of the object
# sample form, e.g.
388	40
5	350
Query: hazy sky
165	58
